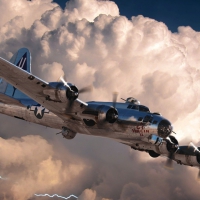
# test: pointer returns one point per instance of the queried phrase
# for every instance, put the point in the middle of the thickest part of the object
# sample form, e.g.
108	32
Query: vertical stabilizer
21	59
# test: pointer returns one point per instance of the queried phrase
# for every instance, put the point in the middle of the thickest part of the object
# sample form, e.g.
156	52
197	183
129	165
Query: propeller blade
86	89
71	101
115	95
65	83
192	148
172	147
169	162
198	177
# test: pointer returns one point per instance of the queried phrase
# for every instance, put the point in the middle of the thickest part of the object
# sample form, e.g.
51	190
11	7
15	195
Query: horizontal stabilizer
9	100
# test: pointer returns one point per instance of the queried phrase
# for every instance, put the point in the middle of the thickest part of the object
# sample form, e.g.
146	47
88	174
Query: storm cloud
91	43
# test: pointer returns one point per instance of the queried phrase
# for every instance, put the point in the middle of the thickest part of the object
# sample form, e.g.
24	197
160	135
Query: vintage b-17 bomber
56	105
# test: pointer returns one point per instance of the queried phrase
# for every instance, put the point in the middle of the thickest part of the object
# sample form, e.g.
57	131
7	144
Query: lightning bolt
55	195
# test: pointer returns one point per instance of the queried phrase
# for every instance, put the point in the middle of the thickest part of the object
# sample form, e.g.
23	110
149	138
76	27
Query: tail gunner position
56	105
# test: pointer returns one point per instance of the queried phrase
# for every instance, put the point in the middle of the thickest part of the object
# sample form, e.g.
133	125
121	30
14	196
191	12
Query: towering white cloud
91	43
29	10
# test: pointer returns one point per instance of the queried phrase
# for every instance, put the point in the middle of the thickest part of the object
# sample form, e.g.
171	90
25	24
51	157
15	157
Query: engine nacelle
167	147
187	159
154	139
107	113
61	93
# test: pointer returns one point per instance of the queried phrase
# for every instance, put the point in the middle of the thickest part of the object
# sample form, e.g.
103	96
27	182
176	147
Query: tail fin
21	59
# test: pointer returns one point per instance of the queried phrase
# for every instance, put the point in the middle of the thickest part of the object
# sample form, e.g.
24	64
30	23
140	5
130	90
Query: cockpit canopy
132	101
135	105
138	107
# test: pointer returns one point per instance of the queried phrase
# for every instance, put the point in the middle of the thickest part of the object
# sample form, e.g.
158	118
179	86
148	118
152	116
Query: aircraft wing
34	87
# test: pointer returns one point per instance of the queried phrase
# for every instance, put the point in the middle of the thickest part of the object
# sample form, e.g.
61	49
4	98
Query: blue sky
173	13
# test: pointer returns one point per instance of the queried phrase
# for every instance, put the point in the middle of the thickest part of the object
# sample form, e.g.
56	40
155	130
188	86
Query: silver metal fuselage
128	133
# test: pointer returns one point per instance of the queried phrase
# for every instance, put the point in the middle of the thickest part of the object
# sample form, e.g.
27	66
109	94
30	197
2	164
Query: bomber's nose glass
164	128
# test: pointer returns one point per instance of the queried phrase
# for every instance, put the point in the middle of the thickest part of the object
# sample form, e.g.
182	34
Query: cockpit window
140	119
148	118
155	122
143	109
135	107
129	106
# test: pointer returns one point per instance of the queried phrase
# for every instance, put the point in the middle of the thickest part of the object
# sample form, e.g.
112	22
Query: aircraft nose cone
164	128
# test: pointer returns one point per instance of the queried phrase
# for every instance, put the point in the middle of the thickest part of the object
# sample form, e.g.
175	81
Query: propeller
172	148
112	113
198	176
73	92
65	83
194	150
88	88
191	150
169	162
115	95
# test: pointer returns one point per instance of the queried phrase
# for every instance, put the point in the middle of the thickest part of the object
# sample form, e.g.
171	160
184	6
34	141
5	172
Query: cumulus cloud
88	194
91	43
50	71
31	166
29	10
80	9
